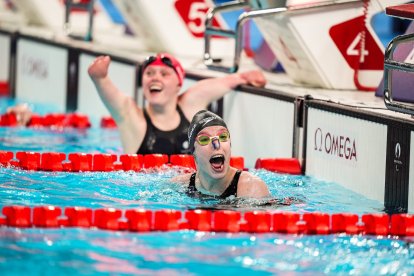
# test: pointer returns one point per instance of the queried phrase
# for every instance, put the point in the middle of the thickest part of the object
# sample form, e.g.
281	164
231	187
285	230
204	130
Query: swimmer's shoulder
252	186
183	179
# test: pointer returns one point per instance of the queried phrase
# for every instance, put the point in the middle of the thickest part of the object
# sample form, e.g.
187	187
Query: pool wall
366	151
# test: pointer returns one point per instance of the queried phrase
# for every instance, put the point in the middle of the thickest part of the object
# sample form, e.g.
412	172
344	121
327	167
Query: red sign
347	37
193	13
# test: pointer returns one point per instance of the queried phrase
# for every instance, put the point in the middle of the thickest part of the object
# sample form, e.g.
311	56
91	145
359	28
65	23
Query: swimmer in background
160	127
22	112
210	144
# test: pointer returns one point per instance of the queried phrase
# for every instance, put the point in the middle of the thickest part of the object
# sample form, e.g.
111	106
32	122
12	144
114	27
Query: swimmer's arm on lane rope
200	95
22	112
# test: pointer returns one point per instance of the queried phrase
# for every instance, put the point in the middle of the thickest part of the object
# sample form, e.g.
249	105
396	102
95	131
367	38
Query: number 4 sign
193	13
347	38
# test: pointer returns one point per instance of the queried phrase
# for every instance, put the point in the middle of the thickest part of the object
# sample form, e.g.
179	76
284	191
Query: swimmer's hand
254	77
99	67
22	112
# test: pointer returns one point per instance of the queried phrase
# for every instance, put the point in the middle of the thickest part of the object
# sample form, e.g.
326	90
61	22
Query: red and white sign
322	46
347	38
193	14
174	26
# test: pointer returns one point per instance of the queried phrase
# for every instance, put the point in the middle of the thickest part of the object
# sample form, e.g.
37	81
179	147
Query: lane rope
143	220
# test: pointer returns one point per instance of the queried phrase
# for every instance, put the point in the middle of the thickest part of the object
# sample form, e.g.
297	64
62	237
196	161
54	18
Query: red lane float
80	162
166	220
78	217
28	160
46	216
402	225
74	120
237	162
17	216
108	122
183	160
155	160
5	158
347	223
280	165
226	221
141	220
52	161
8	120
132	162
199	220
84	162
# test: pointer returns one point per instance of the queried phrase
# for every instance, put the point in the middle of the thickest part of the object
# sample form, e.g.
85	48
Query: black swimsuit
230	191
166	142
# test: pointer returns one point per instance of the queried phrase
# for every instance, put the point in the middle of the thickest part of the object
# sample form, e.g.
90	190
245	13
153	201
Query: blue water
155	191
95	252
89	252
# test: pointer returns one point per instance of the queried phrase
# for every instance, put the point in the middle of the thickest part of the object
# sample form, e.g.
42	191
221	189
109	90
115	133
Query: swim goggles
165	60
151	59
204	140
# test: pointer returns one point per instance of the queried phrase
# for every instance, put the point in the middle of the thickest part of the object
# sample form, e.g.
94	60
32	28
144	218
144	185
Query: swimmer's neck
214	186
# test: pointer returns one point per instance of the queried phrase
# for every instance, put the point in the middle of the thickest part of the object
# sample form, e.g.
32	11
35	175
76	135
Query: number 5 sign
193	13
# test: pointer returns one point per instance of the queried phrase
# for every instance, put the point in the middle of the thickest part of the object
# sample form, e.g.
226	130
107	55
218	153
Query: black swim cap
201	120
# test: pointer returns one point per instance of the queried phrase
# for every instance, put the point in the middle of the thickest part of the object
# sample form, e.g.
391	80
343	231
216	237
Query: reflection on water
94	252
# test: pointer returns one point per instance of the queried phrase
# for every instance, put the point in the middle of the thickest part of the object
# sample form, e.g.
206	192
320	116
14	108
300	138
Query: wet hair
201	120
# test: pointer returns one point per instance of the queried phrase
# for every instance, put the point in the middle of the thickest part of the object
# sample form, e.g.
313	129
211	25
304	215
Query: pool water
36	251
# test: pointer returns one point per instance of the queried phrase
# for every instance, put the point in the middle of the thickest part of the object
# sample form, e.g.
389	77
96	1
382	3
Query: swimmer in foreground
210	144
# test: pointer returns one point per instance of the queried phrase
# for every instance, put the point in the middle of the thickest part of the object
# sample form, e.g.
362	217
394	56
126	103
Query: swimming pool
94	251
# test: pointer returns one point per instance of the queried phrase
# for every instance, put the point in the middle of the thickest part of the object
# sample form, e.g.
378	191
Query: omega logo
397	150
397	153
335	145
34	67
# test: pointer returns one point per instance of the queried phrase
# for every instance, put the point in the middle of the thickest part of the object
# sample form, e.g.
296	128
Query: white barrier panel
322	46
5	42
261	126
10	15
346	150
411	176
123	76
174	26
41	73
51	14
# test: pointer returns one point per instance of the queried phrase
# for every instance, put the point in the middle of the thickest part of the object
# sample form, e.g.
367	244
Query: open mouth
217	162
155	88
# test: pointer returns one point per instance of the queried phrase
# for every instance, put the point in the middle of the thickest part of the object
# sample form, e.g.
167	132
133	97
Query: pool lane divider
74	120
142	220
104	162
56	120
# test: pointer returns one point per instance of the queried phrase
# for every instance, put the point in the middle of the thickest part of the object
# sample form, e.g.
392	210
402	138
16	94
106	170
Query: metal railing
389	66
261	8
83	5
